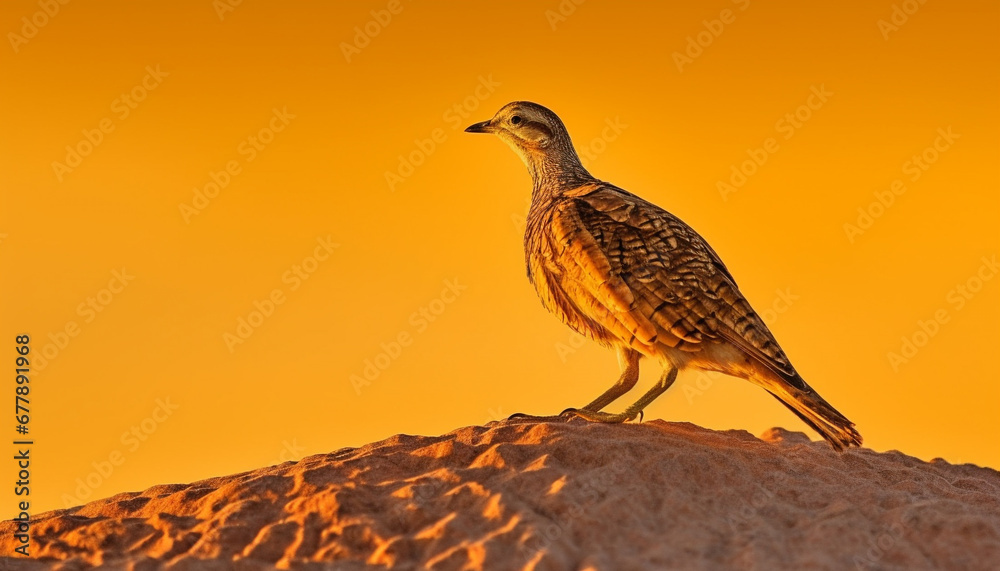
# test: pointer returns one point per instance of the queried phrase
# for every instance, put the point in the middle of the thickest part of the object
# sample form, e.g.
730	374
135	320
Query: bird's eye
515	120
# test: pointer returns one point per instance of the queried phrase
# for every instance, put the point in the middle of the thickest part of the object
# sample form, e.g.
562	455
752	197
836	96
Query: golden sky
239	235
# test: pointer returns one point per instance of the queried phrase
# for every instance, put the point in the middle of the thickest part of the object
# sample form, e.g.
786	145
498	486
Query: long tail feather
806	403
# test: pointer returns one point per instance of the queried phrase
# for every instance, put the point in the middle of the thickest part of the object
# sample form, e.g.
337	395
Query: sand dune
559	496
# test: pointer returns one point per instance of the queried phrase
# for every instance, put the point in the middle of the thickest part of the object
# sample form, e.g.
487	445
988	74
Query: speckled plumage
631	276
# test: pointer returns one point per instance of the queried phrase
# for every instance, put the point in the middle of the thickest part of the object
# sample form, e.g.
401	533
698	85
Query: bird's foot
523	417
595	416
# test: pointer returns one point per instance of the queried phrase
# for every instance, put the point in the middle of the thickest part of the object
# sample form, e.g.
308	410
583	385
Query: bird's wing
622	257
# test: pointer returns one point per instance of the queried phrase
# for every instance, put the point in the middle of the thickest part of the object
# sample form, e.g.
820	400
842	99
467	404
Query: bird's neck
553	173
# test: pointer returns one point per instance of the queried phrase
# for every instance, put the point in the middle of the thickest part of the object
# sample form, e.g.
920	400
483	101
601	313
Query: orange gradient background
493	350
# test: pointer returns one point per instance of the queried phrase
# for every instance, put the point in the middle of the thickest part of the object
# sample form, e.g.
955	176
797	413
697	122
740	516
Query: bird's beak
481	127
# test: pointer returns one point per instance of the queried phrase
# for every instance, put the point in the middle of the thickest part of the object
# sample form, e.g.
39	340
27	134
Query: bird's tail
805	402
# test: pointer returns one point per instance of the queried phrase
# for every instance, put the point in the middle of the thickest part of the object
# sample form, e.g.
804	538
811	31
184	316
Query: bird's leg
667	379
628	360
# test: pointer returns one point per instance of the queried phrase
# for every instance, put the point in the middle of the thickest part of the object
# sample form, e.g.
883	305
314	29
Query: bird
627	274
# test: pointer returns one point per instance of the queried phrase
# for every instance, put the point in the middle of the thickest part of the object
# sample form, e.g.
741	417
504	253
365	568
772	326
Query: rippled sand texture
559	496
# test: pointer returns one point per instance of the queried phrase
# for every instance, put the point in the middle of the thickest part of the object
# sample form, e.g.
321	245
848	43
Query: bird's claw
524	417
589	415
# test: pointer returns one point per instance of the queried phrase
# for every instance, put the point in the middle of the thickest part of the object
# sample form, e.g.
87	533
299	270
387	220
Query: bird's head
537	135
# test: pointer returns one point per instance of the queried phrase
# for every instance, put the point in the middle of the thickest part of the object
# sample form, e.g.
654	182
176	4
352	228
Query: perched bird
633	277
